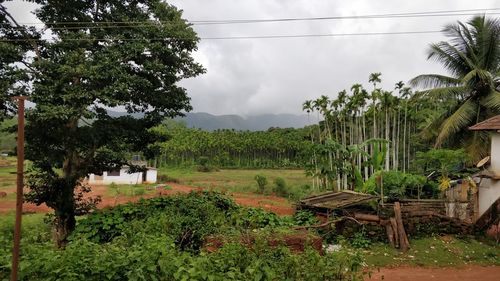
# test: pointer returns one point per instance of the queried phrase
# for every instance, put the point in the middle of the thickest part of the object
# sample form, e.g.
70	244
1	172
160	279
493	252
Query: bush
167	178
261	182
162	238
204	165
280	187
399	185
305	217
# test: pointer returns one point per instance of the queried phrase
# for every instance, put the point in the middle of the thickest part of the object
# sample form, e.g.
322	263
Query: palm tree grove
249	140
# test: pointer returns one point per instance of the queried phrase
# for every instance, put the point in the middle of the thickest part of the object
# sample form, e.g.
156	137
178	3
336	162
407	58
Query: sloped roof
489	124
335	200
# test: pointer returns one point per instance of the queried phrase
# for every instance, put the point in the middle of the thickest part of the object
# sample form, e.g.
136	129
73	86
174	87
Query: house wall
495	152
489	192
123	178
151	175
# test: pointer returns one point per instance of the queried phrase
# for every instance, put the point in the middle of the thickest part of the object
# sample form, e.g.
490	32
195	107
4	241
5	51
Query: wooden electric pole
20	186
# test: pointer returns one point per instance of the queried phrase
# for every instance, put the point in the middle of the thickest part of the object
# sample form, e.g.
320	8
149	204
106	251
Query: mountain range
209	122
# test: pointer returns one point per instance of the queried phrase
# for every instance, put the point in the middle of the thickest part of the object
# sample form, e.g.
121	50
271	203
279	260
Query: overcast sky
255	76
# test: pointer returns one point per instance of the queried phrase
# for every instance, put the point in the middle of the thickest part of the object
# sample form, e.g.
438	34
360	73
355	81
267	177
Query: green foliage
204	165
77	75
261	182
470	92
360	240
250	218
399	185
149	241
305	217
280	187
187	219
447	162
275	148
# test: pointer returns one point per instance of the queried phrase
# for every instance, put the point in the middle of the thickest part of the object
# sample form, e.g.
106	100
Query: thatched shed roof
489	124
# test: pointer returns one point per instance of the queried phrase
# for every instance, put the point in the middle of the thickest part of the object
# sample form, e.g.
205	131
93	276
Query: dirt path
467	273
275	204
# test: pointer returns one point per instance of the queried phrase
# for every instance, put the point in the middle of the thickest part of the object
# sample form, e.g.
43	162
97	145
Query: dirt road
468	273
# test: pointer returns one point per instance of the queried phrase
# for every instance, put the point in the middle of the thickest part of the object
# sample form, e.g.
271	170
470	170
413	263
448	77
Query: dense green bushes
398	185
162	239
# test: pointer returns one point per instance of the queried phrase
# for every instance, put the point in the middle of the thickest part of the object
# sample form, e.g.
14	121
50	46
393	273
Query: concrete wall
151	175
495	152
123	178
489	192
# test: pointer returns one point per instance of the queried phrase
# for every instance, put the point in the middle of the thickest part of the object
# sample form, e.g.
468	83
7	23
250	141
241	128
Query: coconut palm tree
472	57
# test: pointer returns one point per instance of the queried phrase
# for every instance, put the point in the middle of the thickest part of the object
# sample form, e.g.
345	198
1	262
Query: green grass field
240	180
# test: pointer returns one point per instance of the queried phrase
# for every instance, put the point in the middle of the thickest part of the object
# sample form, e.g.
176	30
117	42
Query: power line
373	16
464	12
162	24
242	37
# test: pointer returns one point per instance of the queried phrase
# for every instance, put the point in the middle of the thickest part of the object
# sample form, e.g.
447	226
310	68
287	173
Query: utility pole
20	186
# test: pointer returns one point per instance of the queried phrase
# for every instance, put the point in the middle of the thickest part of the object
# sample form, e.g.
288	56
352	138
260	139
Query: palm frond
492	100
434	80
457	121
450	58
446	93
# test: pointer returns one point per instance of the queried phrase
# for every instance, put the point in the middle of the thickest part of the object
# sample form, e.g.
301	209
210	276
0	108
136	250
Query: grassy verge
446	251
130	190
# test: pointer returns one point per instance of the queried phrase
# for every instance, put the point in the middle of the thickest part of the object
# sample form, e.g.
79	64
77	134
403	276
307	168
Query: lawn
240	180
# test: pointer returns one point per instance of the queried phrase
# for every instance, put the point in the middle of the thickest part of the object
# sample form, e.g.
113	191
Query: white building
123	176
489	189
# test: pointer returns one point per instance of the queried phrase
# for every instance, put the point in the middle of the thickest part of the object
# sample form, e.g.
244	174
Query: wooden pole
20	186
404	244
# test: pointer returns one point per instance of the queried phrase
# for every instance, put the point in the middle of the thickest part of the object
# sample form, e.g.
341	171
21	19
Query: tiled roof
489	124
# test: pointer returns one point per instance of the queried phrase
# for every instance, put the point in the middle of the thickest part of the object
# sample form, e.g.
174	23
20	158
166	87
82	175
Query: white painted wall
495	152
151	175
123	178
489	191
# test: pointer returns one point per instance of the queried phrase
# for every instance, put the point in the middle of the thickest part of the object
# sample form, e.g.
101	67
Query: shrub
167	178
398	185
261	182
204	165
305	217
280	187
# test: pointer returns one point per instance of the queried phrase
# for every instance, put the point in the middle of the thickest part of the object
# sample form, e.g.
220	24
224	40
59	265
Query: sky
261	76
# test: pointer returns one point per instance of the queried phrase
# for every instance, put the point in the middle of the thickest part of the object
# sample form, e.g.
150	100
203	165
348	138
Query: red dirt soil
274	204
467	273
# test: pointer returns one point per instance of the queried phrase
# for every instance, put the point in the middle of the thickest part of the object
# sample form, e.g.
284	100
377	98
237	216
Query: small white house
123	176
489	189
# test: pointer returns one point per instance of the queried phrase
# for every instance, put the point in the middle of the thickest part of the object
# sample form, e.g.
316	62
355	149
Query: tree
472	57
98	59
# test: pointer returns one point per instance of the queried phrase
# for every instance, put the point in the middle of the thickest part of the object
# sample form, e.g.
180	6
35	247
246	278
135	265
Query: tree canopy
472	57
85	67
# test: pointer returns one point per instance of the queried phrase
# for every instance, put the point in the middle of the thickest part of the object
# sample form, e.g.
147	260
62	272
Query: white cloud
277	75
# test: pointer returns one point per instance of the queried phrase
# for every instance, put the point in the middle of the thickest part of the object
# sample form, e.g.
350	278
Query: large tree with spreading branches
94	55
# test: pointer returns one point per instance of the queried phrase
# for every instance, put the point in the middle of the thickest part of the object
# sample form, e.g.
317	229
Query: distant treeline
274	148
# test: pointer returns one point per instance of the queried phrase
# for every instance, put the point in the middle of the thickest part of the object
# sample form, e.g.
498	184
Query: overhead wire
239	37
463	12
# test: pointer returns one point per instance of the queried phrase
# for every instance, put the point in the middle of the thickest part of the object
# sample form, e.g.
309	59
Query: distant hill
210	122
